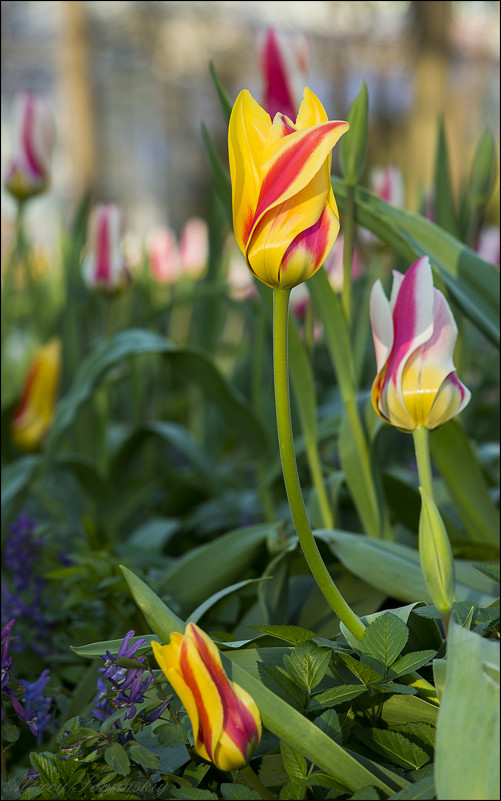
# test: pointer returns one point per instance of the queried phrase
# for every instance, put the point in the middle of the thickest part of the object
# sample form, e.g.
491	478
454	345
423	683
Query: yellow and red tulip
284	59
33	136
285	216
225	719
103	266
414	335
33	416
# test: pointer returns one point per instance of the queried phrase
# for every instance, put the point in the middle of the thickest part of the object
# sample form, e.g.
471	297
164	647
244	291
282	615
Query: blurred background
129	85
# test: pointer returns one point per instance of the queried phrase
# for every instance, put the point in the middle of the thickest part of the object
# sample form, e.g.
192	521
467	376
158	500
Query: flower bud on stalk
33	136
225	719
103	266
284	60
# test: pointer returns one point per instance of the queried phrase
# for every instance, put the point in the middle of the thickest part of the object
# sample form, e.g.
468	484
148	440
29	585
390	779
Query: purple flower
102	708
37	703
136	686
126	650
6	659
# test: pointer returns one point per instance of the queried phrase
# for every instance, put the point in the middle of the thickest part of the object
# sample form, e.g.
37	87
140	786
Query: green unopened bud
435	554
483	171
353	150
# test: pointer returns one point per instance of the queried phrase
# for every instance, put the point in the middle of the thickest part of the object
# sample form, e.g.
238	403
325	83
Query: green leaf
189	361
365	673
420	791
16	476
445	213
44	763
239	791
143	756
366	794
194	793
420	731
294	763
410	662
483	172
339	695
10	732
459	466
171	734
281	684
217	596
329	723
490	570
472	282
353	147
294	634
399	749
221	177
385	638
468	727
394	568
157	614
206	570
307	664
393	687
97	649
399	709
116	757
223	95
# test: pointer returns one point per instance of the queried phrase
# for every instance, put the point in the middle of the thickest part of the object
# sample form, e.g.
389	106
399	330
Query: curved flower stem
349	226
422	448
256	782
289	468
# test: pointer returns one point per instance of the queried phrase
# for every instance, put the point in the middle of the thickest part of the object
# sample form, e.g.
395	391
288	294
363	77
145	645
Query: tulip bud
285	216
194	247
33	137
388	185
435	555
225	719
284	60
163	255
35	411
414	336
103	266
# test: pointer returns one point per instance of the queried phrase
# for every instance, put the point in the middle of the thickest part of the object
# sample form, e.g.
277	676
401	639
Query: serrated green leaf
385	638
307	664
10	732
339	695
171	734
143	756
116	757
294	763
399	749
363	672
393	687
294	634
282	685
329	723
194	794
410	662
419	731
292	791
44	764
239	791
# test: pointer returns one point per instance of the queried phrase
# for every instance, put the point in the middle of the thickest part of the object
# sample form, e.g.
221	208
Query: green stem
422	448
289	467
256	782
348	233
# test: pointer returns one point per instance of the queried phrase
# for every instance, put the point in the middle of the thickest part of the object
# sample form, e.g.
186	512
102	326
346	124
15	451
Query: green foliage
353	147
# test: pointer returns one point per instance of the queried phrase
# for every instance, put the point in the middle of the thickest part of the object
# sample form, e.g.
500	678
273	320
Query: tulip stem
289	468
348	231
256	783
422	449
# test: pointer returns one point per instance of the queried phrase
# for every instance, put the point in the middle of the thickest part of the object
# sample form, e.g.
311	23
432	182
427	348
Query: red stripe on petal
205	730
103	254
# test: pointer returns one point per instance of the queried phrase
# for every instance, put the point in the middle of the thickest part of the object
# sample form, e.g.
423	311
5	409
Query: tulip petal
292	163
306	254
451	399
311	111
248	128
34	414
382	324
197	671
428	367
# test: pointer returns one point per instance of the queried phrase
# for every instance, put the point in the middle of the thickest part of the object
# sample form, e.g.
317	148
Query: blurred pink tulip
103	266
33	137
488	244
334	264
163	253
194	247
414	336
388	184
284	60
